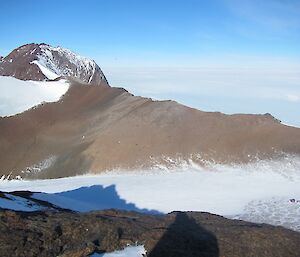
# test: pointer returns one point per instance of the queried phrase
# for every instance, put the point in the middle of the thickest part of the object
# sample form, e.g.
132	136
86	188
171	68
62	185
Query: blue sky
225	55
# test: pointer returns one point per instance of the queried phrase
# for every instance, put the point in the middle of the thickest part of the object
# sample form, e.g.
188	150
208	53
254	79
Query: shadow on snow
91	198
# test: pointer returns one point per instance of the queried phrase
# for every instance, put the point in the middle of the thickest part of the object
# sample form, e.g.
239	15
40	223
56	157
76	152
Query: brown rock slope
178	234
18	64
98	128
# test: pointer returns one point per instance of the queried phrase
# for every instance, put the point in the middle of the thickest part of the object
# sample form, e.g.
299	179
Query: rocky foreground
66	233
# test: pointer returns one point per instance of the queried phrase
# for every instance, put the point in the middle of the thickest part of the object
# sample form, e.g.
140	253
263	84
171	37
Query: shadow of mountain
184	237
91	198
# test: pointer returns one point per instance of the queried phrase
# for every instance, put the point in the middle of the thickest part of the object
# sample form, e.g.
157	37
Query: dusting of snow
44	164
18	96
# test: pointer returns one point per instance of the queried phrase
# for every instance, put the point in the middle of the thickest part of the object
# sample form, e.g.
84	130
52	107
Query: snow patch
47	72
129	251
44	164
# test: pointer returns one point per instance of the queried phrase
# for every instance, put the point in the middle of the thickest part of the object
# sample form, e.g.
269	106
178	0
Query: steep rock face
42	62
178	234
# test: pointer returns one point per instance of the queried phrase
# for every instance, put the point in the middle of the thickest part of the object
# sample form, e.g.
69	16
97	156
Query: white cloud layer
293	98
18	96
246	85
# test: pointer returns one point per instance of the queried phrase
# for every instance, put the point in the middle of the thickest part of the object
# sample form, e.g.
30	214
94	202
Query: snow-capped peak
42	62
57	61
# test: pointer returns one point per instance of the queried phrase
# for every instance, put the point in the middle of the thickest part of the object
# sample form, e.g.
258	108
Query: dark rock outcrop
177	234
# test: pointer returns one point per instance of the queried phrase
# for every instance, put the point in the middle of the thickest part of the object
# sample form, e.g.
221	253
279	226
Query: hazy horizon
222	55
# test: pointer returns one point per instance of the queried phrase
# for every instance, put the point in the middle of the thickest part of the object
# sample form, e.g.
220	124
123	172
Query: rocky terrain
64	233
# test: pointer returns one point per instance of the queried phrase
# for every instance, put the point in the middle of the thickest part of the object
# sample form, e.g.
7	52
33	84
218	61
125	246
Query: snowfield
266	191
18	96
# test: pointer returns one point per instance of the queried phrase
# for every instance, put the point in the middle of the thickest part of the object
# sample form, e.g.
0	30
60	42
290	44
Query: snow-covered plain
18	96
258	192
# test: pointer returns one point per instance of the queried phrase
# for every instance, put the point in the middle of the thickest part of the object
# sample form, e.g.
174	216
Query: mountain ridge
95	129
99	128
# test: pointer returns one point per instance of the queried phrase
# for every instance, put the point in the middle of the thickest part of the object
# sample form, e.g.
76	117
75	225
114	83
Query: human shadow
186	238
85	199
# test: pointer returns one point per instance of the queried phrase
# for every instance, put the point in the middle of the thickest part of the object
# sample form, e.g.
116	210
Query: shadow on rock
184	237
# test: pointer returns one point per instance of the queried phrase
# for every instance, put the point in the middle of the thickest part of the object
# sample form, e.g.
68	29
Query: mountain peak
44	62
